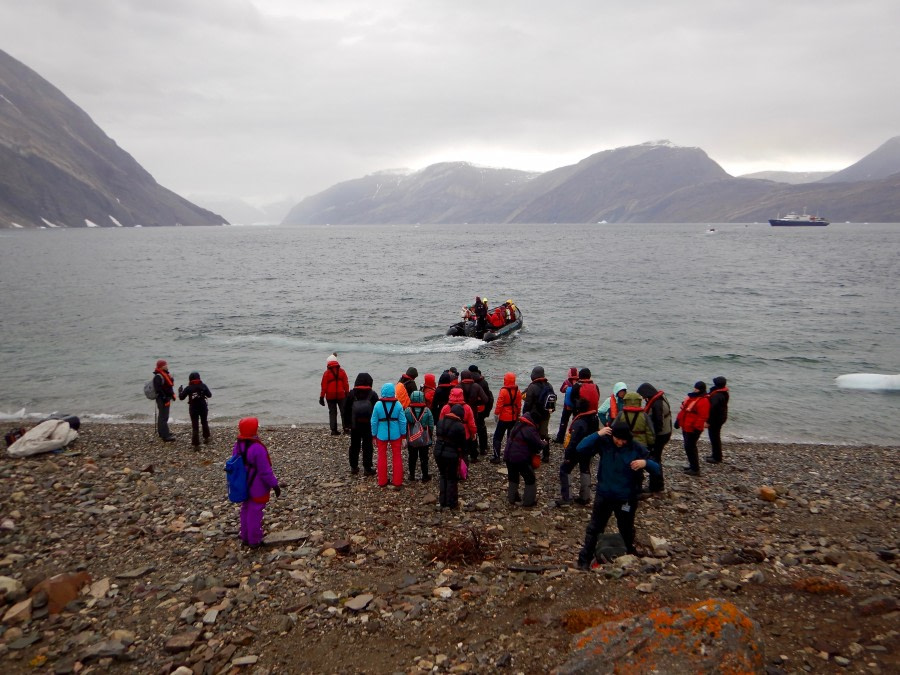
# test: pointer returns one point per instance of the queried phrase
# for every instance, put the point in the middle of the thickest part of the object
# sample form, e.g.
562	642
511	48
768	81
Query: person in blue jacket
389	427
620	474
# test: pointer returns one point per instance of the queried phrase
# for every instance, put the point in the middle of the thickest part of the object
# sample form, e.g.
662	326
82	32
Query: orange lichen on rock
712	635
821	586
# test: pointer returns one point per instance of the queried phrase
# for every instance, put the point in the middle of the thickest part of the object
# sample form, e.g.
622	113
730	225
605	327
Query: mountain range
656	182
59	169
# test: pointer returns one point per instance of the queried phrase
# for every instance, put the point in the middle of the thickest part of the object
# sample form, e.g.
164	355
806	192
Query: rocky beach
120	554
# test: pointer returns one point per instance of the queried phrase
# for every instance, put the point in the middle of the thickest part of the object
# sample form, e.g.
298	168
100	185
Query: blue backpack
239	478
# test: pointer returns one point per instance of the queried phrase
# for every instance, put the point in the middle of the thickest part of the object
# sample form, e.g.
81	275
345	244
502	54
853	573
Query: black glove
321	400
180	388
277	491
676	425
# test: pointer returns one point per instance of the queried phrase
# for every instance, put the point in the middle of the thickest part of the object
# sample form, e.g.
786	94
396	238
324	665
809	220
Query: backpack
361	412
149	389
547	399
418	435
238	478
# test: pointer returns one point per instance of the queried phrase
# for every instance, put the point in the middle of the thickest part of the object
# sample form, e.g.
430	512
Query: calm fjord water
779	312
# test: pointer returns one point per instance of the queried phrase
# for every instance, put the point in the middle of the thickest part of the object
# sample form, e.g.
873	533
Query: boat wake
431	345
868	382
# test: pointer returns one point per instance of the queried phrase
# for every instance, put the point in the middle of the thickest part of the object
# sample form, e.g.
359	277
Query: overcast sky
263	99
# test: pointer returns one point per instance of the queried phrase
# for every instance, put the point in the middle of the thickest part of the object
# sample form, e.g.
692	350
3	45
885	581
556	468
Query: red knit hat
162	363
248	428
573	372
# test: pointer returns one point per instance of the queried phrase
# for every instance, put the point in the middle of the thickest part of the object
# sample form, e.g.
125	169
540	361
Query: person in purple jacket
261	477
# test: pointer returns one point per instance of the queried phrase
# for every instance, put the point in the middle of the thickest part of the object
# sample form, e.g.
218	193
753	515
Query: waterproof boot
584	491
529	495
565	495
512	493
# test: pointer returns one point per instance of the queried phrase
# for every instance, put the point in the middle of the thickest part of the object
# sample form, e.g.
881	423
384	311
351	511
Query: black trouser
656	482
603	509
449	484
524	469
198	417
162	419
499	432
335	404
690	448
472	448
563	424
420	455
481	426
715	440
361	437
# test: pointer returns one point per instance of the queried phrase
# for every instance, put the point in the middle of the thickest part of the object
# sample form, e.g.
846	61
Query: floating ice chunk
868	381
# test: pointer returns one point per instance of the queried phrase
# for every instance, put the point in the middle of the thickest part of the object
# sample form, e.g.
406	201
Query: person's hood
194	377
647	390
458	411
456	396
387	390
467	375
446	378
619	387
633	400
509	380
417	397
363	380
573	373
537	373
429	380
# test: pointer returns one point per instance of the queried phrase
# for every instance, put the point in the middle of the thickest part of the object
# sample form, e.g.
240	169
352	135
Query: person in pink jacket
458	398
261	478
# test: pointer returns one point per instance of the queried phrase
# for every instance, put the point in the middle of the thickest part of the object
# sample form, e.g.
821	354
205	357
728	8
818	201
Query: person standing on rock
565	390
523	446
586	422
506	414
334	389
260	477
196	394
358	407
164	387
483	410
657	406
611	406
718	415
406	385
476	399
692	420
418	451
388	425
535	402
449	447
620	474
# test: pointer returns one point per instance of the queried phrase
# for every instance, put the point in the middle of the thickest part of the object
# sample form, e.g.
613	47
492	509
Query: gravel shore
802	538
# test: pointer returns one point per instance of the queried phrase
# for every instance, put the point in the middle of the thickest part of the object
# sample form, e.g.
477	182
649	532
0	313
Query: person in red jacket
692	420
335	387
506	414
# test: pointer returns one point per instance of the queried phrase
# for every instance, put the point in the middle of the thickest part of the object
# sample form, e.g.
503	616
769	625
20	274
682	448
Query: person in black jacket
358	406
196	394
164	387
476	399
718	415
532	405
441	397
449	447
657	406
585	422
482	411
523	444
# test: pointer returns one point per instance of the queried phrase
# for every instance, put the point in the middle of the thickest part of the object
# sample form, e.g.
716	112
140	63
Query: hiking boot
369	472
688	471
426	478
583	566
713	460
581	502
564	502
495	460
354	470
335	433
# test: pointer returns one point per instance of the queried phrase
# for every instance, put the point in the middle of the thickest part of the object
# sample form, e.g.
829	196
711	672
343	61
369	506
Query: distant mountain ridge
652	182
59	169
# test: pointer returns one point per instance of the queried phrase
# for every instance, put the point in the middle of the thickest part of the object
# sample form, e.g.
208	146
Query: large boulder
706	637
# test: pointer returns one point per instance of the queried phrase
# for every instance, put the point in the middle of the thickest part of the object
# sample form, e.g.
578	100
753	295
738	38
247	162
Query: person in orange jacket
506	413
335	387
692	420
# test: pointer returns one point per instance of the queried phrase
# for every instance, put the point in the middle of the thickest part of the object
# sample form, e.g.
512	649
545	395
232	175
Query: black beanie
584	374
719	381
412	372
622	431
194	376
701	385
473	368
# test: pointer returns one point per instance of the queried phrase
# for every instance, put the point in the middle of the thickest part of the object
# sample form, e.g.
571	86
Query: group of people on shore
446	418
